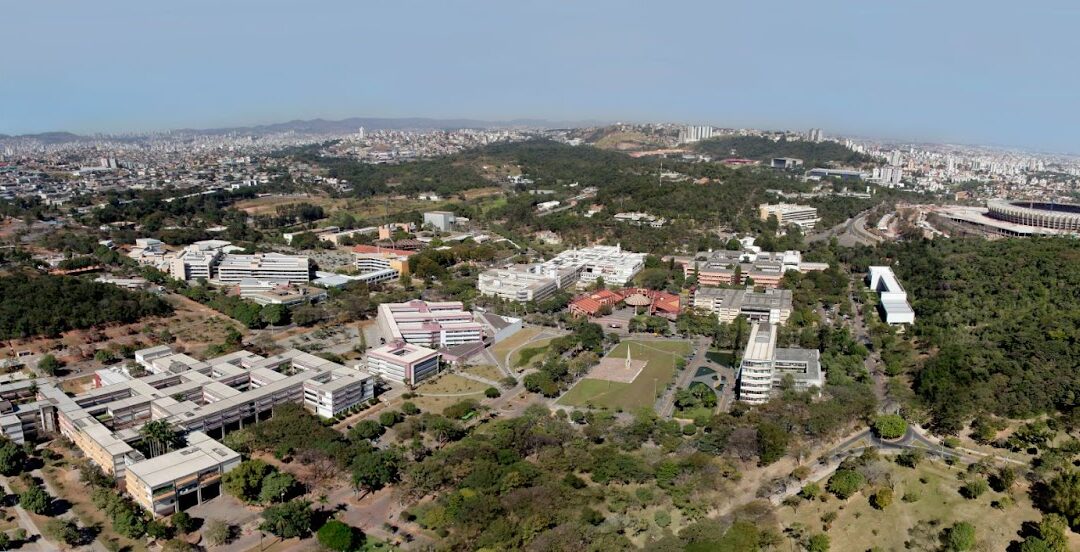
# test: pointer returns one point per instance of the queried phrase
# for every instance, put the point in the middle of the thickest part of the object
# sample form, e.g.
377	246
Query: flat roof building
771	305
537	282
403	362
429	323
766	367
183	478
893	303
803	216
264	266
440	220
735	268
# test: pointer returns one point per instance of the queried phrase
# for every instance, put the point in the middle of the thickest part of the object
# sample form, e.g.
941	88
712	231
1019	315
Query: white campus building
893	302
581	266
765	366
429	323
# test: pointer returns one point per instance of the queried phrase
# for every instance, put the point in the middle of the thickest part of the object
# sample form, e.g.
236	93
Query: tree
960	537
276	487
373	471
5	540
183	523
288	520
335	535
409	408
34	499
12	458
367	430
890	426
245	481
1063	496
390	418
160	436
274	315
492	392
1052	536
772	443
49	365
845	483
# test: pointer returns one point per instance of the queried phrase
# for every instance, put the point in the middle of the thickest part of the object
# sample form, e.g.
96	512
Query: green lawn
724	358
661	357
524	355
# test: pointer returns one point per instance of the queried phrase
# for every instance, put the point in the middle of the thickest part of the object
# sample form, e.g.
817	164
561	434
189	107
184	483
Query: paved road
849	233
665	405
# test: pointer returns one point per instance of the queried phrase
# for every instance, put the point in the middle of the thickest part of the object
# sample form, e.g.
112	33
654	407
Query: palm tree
159	435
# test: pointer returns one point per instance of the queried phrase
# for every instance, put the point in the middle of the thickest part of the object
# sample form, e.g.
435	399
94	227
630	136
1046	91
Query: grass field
661	357
500	349
486	371
524	355
451	383
861	527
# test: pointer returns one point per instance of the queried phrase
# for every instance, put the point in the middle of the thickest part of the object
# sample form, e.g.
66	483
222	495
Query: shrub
217	532
974	489
492	392
336	535
409	408
662	518
183	522
910	458
890	426
882	498
845	483
34	499
960	537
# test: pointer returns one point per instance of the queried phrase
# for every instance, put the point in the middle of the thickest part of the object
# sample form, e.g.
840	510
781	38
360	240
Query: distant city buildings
803	216
815	135
641	219
691	133
785	163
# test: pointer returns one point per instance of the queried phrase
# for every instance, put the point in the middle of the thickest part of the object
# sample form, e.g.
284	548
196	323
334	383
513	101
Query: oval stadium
1056	216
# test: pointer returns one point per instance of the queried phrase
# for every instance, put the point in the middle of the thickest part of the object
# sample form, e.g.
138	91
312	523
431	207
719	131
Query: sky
985	72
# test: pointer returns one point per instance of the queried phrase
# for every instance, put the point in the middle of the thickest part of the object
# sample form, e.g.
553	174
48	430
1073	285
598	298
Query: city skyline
954	79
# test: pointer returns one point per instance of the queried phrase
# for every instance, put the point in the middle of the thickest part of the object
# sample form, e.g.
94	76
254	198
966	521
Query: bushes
368	430
34	499
960	537
974	489
845	483
128	519
890	426
882	498
288	520
390	418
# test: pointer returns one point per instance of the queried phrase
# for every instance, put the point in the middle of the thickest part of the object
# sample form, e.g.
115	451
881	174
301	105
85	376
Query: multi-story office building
372	258
765	367
178	480
610	262
729	268
803	216
523	283
893	303
431	324
771	305
403	362
695	133
264	266
581	266
193	263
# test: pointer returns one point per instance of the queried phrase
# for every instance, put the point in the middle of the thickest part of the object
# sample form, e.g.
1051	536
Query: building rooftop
202	453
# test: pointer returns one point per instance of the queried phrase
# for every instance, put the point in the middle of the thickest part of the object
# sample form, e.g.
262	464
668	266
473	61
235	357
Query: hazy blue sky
982	72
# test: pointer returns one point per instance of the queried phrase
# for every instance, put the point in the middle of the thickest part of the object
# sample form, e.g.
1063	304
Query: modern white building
524	283
264	266
193	263
428	323
403	362
610	262
892	298
695	133
765	367
440	220
803	216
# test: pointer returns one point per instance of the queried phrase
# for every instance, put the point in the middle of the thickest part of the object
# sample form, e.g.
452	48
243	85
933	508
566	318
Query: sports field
660	356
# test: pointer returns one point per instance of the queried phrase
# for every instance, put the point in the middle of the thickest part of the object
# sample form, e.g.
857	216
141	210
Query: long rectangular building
803	216
429	323
403	362
264	266
771	305
735	268
893	302
583	267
